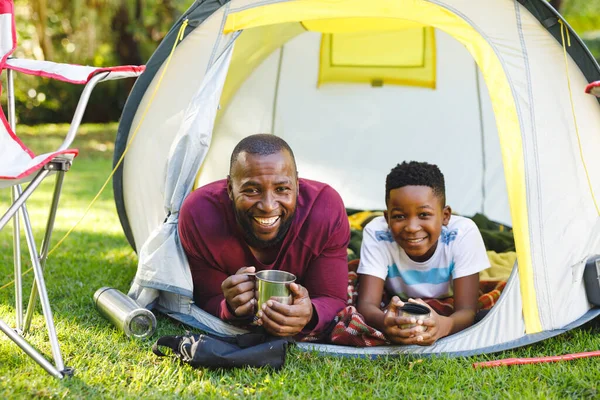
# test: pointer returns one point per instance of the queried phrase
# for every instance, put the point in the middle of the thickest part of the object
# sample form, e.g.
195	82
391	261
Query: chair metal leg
16	192
30	351
45	244
41	285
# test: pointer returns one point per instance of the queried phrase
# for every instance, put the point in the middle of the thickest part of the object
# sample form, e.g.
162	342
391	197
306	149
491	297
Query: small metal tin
418	311
273	284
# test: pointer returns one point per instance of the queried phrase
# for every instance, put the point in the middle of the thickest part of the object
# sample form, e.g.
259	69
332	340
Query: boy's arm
369	299
466	290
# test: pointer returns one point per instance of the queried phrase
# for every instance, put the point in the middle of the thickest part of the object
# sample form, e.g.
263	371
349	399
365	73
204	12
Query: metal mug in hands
417	311
273	285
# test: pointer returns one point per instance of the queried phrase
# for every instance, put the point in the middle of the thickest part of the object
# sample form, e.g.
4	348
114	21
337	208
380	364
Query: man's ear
229	188
446	214
385	215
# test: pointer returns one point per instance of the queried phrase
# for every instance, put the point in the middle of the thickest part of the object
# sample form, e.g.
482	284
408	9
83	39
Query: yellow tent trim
347	25
509	130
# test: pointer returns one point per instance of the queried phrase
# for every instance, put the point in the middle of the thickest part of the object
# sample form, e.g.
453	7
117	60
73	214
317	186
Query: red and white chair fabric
18	165
593	88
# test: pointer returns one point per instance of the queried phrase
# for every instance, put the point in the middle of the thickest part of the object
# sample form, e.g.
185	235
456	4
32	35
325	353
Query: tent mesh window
378	59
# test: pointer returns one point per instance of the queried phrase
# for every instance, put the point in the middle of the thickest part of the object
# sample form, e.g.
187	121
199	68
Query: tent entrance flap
501	95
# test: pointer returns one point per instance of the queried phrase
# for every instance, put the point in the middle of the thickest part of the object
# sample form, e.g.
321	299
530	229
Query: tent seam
257	4
532	244
152	284
219	37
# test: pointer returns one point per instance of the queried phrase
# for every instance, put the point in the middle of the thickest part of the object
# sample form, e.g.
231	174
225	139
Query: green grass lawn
109	365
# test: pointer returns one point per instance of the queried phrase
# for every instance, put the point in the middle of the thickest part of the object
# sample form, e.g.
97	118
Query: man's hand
238	290
287	320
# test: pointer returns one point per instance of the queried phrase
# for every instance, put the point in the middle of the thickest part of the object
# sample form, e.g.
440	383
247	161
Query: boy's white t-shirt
460	252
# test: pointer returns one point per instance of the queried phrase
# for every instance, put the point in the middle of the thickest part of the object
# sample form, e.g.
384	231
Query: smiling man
264	217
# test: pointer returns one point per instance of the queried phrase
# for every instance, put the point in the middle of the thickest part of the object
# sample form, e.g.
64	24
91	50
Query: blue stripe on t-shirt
384	236
432	276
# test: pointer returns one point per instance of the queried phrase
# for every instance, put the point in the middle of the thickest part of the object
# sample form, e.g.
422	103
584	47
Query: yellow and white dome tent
491	91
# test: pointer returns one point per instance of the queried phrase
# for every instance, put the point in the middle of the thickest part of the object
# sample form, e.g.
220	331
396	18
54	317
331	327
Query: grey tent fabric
195	15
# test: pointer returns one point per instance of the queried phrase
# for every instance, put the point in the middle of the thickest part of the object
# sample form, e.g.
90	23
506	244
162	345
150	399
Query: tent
490	91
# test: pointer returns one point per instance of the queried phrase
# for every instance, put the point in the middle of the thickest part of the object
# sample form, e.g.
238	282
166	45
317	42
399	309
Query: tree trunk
40	8
125	44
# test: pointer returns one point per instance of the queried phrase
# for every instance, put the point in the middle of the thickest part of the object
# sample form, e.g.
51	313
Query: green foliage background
87	32
121	32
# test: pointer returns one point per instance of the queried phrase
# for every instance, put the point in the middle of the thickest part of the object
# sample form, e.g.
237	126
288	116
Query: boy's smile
415	216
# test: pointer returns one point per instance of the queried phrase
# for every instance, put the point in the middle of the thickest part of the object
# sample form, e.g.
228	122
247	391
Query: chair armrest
77	74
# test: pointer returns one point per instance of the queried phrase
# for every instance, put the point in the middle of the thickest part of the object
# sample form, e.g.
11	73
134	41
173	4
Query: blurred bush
87	32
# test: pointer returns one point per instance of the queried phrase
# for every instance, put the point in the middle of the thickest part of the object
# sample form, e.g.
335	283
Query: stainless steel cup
418	311
275	285
124	313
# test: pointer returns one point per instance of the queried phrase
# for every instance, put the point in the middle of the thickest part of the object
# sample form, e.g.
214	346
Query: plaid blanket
350	329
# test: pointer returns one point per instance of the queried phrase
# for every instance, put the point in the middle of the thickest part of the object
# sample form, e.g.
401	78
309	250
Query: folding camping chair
18	165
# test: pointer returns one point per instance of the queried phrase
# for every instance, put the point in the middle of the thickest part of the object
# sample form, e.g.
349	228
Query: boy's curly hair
416	173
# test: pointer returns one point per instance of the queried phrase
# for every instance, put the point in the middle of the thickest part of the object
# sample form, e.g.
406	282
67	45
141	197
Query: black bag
251	349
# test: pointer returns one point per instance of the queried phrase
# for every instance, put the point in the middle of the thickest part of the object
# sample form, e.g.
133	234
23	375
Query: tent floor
220	328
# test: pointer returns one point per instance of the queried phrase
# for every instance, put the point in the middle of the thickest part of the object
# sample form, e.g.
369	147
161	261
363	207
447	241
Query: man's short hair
263	144
416	173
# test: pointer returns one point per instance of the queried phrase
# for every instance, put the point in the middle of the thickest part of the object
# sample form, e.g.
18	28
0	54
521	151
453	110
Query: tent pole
481	132
276	93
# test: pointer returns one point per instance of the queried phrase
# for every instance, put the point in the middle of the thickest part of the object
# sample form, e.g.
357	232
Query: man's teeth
415	240
266	221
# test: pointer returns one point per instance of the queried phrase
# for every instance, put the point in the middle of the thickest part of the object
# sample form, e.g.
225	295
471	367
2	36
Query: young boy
419	250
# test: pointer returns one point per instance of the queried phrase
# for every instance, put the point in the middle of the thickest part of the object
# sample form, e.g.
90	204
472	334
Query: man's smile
267	221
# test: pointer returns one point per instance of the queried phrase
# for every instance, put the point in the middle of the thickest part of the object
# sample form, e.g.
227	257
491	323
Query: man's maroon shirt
314	248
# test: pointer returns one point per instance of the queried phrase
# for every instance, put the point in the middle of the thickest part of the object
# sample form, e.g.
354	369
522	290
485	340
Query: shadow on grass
89	343
83	263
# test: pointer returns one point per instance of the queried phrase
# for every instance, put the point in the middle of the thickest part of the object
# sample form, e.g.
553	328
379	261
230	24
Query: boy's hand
429	330
392	322
424	333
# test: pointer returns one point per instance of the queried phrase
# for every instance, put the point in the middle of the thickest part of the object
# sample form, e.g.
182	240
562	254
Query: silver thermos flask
124	313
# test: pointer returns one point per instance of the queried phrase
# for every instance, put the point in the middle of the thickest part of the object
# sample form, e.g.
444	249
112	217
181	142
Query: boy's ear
385	215
446	214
